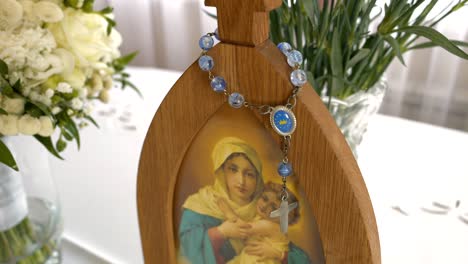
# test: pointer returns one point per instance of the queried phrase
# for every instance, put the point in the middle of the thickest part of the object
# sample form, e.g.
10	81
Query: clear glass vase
30	222
353	113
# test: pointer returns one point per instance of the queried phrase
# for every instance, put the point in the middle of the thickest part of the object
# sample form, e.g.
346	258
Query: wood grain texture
326	168
248	24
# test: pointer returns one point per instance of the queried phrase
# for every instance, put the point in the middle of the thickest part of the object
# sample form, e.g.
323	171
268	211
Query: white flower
76	104
13	105
64	87
9	125
56	110
96	82
48	12
107	80
29	125
83	92
78	30
104	96
47	128
88	109
67	59
34	95
11	13
76	79
49	93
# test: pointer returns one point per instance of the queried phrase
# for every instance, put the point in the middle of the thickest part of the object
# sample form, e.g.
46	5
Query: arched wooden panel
325	166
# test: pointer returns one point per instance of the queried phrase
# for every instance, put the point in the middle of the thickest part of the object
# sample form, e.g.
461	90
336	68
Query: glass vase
30	222
352	114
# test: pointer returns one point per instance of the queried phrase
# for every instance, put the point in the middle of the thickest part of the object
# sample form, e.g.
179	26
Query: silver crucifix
283	213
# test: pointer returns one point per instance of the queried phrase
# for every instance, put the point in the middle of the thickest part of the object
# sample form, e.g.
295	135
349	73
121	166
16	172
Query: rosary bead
218	84
206	42
285	47
285	169
294	58
236	100
206	63
298	77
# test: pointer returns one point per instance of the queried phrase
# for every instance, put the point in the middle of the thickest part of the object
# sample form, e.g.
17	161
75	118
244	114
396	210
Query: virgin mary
206	236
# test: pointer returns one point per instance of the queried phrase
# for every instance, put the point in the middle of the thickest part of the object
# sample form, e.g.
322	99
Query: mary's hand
234	229
263	250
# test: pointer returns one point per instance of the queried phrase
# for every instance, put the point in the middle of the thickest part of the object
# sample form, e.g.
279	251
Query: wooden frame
253	65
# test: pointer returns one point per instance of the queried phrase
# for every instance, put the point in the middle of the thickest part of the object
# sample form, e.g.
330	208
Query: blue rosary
282	118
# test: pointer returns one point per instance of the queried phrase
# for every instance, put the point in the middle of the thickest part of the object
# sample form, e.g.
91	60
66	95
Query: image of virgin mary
206	236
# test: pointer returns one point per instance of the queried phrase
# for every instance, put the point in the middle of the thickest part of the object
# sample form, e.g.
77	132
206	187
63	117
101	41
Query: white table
404	163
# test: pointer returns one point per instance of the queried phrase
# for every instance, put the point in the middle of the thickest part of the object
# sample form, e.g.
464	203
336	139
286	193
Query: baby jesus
264	229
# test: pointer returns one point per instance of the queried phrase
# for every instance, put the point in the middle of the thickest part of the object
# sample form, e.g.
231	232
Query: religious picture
229	202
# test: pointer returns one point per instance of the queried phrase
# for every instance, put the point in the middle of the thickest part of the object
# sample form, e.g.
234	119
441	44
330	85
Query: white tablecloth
406	165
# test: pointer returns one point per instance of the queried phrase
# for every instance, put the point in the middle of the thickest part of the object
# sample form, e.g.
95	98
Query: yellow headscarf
205	200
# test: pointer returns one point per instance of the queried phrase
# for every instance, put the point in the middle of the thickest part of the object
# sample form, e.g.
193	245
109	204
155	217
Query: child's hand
263	250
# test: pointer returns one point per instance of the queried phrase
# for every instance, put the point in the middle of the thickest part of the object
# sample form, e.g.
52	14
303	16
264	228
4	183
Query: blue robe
195	244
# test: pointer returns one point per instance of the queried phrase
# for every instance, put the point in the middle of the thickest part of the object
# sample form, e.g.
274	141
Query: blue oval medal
283	120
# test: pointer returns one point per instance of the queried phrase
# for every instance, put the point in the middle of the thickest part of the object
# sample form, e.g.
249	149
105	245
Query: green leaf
42	107
61	145
3	68
17	87
110	24
134	88
6	157
337	62
7	90
47	142
363	53
435	37
3	112
395	47
106	10
88	6
67	123
431	44
92	120
67	135
123	61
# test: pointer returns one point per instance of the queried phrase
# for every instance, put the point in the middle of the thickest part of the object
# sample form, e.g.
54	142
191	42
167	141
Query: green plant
341	55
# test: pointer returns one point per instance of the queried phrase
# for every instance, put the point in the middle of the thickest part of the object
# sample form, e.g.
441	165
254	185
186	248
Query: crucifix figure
283	213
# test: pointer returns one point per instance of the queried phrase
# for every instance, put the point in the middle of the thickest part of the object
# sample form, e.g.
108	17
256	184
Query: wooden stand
253	66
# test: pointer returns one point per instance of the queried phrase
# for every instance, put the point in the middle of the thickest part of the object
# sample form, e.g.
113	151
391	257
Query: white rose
13	105
49	93
78	29
48	12
76	79
67	59
9	125
47	128
29	125
11	13
56	110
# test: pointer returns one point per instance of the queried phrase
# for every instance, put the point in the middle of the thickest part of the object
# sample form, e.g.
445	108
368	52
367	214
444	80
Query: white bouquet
56	58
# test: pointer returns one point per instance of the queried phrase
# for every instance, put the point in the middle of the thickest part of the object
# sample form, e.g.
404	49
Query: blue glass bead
218	84
294	58
283	121
298	77
285	169
285	47
206	42
216	34
206	63
236	100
